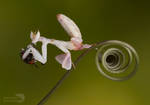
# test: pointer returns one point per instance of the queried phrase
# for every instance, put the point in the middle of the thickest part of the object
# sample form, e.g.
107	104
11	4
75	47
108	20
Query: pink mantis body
75	43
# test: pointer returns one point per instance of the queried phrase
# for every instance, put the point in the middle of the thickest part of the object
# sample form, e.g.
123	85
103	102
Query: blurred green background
99	20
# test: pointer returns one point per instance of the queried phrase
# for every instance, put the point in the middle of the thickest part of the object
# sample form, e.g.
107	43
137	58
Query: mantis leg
41	58
64	59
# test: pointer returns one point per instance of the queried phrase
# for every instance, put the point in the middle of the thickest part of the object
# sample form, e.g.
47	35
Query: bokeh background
99	20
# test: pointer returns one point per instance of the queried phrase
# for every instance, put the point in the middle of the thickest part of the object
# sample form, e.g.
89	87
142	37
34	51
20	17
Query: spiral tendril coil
116	60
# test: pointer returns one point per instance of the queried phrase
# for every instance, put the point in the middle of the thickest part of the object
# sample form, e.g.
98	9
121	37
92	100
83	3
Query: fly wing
69	26
60	58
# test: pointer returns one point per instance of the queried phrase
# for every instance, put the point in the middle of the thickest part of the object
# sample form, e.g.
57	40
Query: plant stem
64	77
54	88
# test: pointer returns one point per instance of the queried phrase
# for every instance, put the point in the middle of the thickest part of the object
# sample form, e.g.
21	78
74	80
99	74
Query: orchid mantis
75	43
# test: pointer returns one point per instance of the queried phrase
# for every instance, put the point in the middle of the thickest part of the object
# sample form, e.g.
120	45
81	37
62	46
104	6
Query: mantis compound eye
116	60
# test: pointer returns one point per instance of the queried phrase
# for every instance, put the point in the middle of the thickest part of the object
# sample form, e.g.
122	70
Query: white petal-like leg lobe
65	60
60	58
